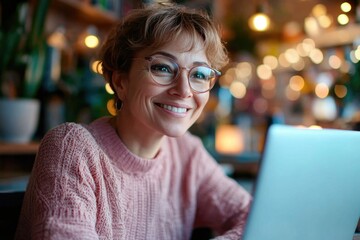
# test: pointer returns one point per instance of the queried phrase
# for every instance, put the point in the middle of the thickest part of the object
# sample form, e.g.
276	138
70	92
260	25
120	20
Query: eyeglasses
165	71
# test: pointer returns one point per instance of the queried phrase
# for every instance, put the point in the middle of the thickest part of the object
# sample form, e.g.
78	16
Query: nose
181	85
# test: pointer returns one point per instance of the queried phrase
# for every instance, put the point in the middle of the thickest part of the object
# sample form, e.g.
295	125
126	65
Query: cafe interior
291	62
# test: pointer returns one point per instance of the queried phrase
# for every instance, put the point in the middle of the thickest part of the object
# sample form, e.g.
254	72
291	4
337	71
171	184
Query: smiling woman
140	174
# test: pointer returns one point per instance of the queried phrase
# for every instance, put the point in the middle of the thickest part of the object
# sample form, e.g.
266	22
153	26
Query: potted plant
22	59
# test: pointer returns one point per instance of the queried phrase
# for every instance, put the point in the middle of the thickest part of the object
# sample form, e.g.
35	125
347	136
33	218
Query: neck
140	143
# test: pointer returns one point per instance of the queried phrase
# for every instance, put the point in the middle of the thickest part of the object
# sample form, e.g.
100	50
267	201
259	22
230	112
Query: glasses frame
151	58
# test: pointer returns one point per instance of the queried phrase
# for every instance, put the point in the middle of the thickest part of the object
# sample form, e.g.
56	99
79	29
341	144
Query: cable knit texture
86	184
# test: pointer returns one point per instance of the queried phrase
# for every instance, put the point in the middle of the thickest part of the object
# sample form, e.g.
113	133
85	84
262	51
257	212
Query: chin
175	133
175	129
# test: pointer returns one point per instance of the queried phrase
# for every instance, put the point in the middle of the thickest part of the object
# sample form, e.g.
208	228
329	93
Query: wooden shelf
85	12
18	149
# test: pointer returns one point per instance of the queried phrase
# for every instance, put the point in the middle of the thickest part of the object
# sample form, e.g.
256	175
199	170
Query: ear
120	83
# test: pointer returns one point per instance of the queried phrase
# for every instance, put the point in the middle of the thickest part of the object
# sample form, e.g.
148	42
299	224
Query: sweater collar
118	153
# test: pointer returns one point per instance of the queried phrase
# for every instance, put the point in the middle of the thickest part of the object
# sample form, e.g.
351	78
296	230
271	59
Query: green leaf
34	71
38	21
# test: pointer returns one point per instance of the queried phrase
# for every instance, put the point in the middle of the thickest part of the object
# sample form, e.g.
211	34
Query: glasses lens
163	70
202	78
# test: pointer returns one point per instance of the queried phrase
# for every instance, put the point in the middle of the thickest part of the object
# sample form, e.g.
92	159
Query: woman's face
164	110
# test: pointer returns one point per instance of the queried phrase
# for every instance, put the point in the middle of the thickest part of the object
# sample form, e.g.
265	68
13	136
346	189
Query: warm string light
260	21
343	18
91	39
96	67
238	78
345	7
320	20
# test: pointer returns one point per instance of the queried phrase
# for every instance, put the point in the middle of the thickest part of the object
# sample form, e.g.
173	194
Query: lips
173	108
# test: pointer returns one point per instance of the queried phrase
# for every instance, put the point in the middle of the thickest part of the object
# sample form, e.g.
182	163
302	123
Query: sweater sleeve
60	202
223	204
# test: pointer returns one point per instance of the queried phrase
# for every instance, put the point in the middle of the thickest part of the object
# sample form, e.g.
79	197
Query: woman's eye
161	68
199	75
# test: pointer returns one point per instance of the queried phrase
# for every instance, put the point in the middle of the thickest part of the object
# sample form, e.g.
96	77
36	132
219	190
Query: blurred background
292	62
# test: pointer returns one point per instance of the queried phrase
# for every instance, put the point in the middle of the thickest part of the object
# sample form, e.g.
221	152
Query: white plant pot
18	119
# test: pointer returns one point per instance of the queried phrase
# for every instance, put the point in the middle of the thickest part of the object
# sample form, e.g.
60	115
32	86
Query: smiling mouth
173	109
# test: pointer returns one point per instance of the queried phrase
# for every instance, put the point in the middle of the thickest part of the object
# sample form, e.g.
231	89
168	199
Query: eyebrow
166	54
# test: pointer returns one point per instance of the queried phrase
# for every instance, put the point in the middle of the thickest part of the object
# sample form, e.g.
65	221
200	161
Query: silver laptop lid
307	187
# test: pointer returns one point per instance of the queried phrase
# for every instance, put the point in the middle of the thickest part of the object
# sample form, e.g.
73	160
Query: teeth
173	109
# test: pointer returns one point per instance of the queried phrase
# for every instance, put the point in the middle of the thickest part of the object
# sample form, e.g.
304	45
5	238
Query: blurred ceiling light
316	56
297	83
301	49
357	53
292	55
259	21
57	39
353	56
245	69
264	72
91	39
340	90
319	10
319	19
271	61
311	26
238	89
309	43
110	105
237	74
334	62
321	90
108	89
324	21
345	7
343	19
305	47
96	66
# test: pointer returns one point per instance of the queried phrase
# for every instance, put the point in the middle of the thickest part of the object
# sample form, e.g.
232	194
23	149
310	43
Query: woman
140	175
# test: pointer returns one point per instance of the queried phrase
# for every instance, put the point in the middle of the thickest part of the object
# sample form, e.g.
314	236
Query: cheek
201	100
146	93
140	94
140	84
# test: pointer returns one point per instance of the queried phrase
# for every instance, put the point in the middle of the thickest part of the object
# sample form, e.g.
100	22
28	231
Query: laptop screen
307	187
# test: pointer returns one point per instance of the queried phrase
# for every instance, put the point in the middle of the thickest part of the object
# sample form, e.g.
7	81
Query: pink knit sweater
85	184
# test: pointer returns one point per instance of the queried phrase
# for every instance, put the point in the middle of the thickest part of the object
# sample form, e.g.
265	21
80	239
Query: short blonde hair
154	26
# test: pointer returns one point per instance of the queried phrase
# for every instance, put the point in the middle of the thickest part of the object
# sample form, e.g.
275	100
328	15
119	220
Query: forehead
184	47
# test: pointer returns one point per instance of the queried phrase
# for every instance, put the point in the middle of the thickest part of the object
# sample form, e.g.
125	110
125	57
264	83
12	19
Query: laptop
308	187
